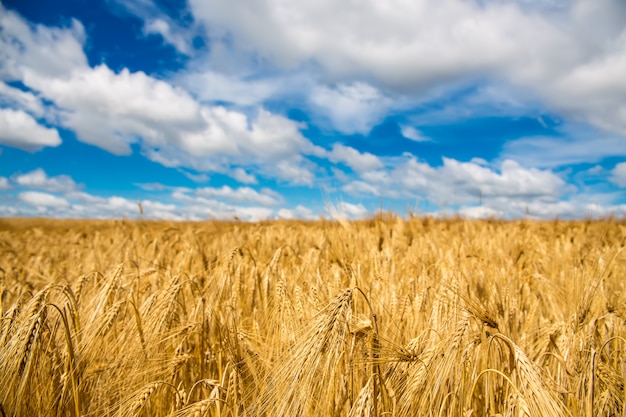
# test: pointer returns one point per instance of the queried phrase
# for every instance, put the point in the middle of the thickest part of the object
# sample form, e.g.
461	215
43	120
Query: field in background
383	317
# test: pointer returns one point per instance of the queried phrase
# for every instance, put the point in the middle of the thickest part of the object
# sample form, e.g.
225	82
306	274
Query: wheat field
387	316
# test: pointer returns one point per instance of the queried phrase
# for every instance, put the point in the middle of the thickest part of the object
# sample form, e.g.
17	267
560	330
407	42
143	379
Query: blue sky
264	109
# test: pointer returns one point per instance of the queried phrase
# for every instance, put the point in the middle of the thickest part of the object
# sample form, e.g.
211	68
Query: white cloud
271	144
491	98
513	180
457	182
344	210
358	187
111	110
4	184
23	100
479	212
78	204
569	55
573	147
353	66
201	208
595	170
413	134
479	161
299	212
405	43
20	130
352	108
224	203
356	160
576	207
596	91
212	86
85	198
39	199
274	136
241	195
242	176
174	32
8	211
295	170
39	179
196	177
170	35
44	50
618	175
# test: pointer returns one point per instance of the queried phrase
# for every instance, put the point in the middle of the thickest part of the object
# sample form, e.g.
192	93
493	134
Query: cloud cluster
114	110
618	175
241	195
4	184
38	194
572	56
20	130
357	161
40	180
467	188
24	47
349	68
158	23
457	182
351	108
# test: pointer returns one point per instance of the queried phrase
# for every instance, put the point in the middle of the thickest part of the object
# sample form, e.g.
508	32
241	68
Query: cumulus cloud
85	205
19	129
457	182
243	177
477	190
359	162
404	43
213	86
49	51
350	67
202	208
43	200
241	195
344	210
595	91
176	29
40	180
177	38
182	204
4	184
575	207
479	212
23	100
299	212
112	110
571	55
413	134
250	205
270	144
295	170
618	175
352	108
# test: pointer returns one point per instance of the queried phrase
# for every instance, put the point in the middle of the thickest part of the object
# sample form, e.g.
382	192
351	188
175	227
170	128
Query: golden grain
382	317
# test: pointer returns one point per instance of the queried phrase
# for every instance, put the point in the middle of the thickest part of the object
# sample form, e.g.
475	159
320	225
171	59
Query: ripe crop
380	317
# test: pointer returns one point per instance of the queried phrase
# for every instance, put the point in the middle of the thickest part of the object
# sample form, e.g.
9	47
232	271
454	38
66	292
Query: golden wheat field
381	317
